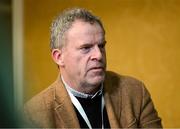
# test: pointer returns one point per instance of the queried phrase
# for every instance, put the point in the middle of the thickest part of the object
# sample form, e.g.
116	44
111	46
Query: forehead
84	30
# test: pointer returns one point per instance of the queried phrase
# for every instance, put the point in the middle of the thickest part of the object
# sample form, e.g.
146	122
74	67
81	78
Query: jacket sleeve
148	117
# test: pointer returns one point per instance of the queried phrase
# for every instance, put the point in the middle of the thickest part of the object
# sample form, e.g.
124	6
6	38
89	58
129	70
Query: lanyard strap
82	112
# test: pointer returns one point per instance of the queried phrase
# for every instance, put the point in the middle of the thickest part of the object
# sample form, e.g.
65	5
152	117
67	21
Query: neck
82	88
89	89
83	95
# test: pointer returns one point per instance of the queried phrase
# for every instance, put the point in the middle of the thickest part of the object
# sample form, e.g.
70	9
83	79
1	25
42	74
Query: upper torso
127	102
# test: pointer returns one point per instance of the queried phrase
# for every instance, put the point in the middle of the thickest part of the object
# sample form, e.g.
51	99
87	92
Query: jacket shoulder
137	108
42	100
38	110
132	91
122	82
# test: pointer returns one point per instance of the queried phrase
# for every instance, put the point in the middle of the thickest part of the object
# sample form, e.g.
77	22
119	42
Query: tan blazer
127	101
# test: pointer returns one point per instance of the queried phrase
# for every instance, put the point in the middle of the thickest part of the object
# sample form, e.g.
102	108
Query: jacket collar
64	111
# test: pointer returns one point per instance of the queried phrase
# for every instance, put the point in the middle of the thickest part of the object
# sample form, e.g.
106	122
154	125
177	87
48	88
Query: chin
95	77
97	80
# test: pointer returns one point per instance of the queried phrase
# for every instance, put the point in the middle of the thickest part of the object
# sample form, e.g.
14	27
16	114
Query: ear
57	57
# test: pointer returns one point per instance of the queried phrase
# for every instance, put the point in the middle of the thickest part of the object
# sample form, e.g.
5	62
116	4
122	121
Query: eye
85	49
102	45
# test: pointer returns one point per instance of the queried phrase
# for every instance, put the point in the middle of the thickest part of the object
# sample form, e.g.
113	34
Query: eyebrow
86	45
90	44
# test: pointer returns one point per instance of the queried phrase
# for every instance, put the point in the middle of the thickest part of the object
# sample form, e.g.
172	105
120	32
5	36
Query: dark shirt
92	108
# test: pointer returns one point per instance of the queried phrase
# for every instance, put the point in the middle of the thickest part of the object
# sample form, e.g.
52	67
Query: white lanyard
82	112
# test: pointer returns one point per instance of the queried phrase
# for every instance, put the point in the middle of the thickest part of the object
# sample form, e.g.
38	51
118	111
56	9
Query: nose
97	53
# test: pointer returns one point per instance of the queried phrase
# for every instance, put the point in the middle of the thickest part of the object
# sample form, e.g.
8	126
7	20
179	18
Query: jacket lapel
65	115
113	107
111	114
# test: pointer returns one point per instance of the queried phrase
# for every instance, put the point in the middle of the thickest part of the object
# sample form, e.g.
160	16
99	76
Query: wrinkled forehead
85	30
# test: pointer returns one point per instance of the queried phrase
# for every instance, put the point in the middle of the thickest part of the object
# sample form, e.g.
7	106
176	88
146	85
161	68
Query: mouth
97	69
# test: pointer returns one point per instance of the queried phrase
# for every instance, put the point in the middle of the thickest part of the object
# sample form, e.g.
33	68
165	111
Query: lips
99	68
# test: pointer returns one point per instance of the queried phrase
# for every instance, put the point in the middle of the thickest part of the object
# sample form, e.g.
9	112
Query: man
85	95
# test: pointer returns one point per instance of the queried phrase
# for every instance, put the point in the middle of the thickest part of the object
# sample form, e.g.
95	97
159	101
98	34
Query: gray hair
64	22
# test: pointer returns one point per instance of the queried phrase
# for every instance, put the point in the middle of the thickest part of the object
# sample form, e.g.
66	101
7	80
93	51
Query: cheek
77	62
82	63
70	61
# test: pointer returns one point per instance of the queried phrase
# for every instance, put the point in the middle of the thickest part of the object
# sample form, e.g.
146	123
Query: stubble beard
92	84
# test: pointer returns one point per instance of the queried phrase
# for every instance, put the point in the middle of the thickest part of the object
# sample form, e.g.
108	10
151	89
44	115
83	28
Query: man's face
84	54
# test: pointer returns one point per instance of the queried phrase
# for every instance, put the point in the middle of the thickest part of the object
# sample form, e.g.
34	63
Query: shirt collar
80	94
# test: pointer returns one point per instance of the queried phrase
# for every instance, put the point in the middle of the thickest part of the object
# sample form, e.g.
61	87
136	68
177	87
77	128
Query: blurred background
7	111
143	41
